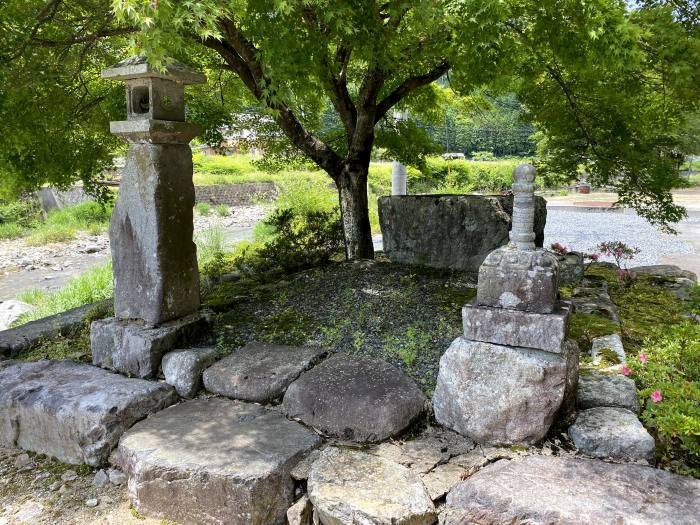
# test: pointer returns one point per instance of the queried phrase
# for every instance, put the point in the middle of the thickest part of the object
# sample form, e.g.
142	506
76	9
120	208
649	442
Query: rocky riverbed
24	267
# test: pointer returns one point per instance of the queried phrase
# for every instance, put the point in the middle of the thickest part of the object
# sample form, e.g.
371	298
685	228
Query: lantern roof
139	67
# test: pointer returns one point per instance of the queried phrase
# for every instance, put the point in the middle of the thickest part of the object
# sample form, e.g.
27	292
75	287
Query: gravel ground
582	231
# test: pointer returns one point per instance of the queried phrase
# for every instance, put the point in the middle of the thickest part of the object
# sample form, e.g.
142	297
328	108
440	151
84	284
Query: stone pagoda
156	279
506	378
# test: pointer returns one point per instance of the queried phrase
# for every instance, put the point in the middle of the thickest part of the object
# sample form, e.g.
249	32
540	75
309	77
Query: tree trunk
352	190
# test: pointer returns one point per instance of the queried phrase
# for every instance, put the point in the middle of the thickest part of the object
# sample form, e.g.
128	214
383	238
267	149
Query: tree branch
407	86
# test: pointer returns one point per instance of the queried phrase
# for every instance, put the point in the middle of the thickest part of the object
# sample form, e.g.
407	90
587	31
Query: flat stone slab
183	368
611	343
614	433
499	394
259	372
355	398
351	487
543	490
603	390
73	412
517	328
214	461
135	349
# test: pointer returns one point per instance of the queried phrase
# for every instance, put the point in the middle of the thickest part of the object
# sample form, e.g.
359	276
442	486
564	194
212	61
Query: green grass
64	225
92	286
203	208
222	210
10	230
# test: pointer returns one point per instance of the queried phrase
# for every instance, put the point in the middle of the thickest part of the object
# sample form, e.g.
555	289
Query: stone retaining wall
244	194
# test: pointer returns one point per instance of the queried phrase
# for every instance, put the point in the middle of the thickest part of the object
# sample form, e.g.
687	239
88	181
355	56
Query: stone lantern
156	279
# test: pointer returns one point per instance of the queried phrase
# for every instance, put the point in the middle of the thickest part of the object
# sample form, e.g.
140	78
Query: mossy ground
401	314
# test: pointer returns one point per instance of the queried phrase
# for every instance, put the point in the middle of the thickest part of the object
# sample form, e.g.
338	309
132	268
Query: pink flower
626	371
656	396
595	257
643	358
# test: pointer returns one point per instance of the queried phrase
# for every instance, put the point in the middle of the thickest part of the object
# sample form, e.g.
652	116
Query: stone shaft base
503	395
153	253
517	328
136	350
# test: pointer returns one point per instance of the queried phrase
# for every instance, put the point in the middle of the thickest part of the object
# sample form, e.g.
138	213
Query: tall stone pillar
506	378
156	279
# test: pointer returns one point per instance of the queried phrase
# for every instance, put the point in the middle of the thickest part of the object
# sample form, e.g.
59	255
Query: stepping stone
214	461
183	369
614	433
73	412
603	390
259	372
355	398
543	490
611	343
352	487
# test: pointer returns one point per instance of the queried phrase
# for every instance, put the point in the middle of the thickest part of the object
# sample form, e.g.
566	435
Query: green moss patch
583	328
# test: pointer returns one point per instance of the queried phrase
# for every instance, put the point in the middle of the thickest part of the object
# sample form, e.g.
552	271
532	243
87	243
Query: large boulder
259	372
502	395
455	232
610	432
348	487
676	280
73	412
543	490
214	461
355	398
11	311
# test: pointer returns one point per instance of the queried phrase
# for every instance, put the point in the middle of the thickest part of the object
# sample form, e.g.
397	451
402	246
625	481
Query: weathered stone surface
350	487
153	255
603	390
449	231
497	394
570	268
356	398
301	470
214	461
12	310
137	350
542	490
442	479
259	372
608	432
425	452
676	280
519	280
607	344
517	328
71	411
301	513
183	368
29	335
591	297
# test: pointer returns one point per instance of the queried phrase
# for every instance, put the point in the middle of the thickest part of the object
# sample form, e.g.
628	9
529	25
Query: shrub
222	210
203	208
25	213
669	369
300	239
211	253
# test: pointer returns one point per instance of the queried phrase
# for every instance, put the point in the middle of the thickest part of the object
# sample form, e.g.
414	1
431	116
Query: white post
399	173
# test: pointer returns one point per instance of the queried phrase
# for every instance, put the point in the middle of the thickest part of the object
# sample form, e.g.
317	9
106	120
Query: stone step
604	390
73	412
355	398
351	487
605	344
214	461
615	433
540	490
259	372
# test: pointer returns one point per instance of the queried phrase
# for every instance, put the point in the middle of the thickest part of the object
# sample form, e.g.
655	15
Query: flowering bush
667	373
559	249
621	254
